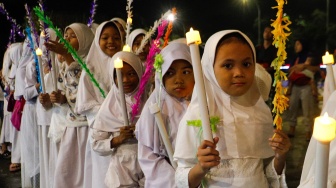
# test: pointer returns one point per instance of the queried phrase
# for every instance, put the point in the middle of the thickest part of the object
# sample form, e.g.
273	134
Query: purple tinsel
15	26
154	49
44	27
92	13
32	25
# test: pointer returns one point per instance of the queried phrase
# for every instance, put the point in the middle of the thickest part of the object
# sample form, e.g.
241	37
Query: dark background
207	16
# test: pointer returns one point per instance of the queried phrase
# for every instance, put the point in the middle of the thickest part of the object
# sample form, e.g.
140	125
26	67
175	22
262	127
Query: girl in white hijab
111	136
30	162
44	111
106	43
241	149
11	59
134	42
71	158
309	166
170	92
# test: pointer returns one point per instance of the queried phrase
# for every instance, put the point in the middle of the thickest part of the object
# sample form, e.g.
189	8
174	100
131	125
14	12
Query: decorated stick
170	27
44	29
15	27
129	21
154	109
31	45
118	65
53	70
193	40
32	25
151	31
280	35
39	54
153	50
92	12
68	46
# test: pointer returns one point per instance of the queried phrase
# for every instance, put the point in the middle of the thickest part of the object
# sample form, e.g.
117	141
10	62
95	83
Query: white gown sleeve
102	142
157	170
275	180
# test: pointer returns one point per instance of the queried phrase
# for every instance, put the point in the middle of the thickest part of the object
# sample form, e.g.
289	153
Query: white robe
124	169
309	166
244	128
89	100
153	156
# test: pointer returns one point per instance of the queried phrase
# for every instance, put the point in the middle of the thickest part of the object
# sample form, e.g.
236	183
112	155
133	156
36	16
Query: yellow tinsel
280	34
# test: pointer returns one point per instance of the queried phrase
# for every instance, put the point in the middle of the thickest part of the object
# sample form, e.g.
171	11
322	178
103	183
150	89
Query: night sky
206	16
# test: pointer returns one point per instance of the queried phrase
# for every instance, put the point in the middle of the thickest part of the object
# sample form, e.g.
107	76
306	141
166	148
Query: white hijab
97	61
11	59
84	36
172	109
27	57
309	166
109	117
133	35
245	121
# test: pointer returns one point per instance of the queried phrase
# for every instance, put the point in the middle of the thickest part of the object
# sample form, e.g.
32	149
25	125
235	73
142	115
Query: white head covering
121	21
97	62
84	36
309	166
245	121
27	57
11	59
134	34
172	109
94	27
109	117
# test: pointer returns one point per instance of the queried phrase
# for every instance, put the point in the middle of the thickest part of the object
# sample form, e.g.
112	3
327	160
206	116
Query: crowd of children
71	135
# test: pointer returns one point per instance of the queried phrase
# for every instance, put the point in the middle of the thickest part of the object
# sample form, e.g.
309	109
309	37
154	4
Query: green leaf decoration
68	46
214	120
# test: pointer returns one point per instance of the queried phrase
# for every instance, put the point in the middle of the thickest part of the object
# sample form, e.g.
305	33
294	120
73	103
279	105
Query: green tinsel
198	123
68	46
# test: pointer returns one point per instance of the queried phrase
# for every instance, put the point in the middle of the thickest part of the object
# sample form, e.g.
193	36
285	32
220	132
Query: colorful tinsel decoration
92	13
151	31
280	33
169	28
129	19
44	27
68	46
198	123
16	28
31	45
32	26
153	50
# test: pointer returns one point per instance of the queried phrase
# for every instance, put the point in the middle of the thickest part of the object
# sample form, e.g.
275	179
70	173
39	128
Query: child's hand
45	100
57	97
280	144
56	47
37	86
126	132
207	155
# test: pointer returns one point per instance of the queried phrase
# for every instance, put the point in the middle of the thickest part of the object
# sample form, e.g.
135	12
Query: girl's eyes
227	65
169	73
187	72
247	64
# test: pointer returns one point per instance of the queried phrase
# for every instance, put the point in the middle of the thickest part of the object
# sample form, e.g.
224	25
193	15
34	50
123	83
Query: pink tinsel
154	49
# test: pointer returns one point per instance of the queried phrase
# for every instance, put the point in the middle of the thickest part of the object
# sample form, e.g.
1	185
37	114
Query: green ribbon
198	123
68	46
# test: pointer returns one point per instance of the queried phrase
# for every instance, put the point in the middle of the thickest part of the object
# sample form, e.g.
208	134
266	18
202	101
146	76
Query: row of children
74	137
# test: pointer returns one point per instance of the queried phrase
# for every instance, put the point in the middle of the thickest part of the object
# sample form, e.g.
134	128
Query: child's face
136	45
179	79
297	47
129	77
71	37
110	41
234	68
